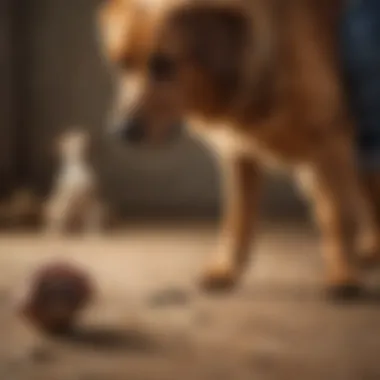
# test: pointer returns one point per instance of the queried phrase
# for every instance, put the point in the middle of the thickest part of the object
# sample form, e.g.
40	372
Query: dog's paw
219	278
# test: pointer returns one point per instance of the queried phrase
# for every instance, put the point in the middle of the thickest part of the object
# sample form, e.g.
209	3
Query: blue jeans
360	42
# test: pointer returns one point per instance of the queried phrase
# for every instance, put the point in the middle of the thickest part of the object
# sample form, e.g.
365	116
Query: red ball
55	296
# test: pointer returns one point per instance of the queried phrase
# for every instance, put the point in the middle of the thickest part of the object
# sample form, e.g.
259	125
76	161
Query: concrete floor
276	326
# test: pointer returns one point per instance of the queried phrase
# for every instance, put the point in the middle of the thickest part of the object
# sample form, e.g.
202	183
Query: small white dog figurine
74	200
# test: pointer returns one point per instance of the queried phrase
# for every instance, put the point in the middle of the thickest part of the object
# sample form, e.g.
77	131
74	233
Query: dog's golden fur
260	80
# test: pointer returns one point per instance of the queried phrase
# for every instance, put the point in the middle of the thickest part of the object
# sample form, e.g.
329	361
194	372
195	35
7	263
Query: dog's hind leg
241	184
343	215
371	182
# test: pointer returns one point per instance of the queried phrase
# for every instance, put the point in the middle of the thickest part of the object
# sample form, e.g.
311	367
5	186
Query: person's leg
361	62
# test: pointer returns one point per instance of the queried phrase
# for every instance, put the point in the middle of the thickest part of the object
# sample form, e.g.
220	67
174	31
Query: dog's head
183	58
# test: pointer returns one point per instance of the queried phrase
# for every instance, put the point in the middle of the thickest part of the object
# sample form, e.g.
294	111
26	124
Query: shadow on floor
102	338
281	292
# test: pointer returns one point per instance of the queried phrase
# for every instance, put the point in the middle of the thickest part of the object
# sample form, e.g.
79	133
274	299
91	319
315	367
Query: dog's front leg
241	182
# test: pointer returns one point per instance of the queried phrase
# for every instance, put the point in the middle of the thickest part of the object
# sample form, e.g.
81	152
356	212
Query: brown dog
259	80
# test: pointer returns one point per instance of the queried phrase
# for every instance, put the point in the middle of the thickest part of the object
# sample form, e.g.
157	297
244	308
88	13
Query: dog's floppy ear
215	38
233	43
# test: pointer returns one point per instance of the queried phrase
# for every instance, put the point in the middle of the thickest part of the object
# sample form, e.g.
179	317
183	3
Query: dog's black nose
131	131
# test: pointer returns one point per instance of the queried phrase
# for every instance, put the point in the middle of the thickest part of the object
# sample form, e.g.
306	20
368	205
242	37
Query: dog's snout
131	130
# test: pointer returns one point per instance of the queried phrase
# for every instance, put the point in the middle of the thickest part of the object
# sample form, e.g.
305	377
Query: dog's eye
161	68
